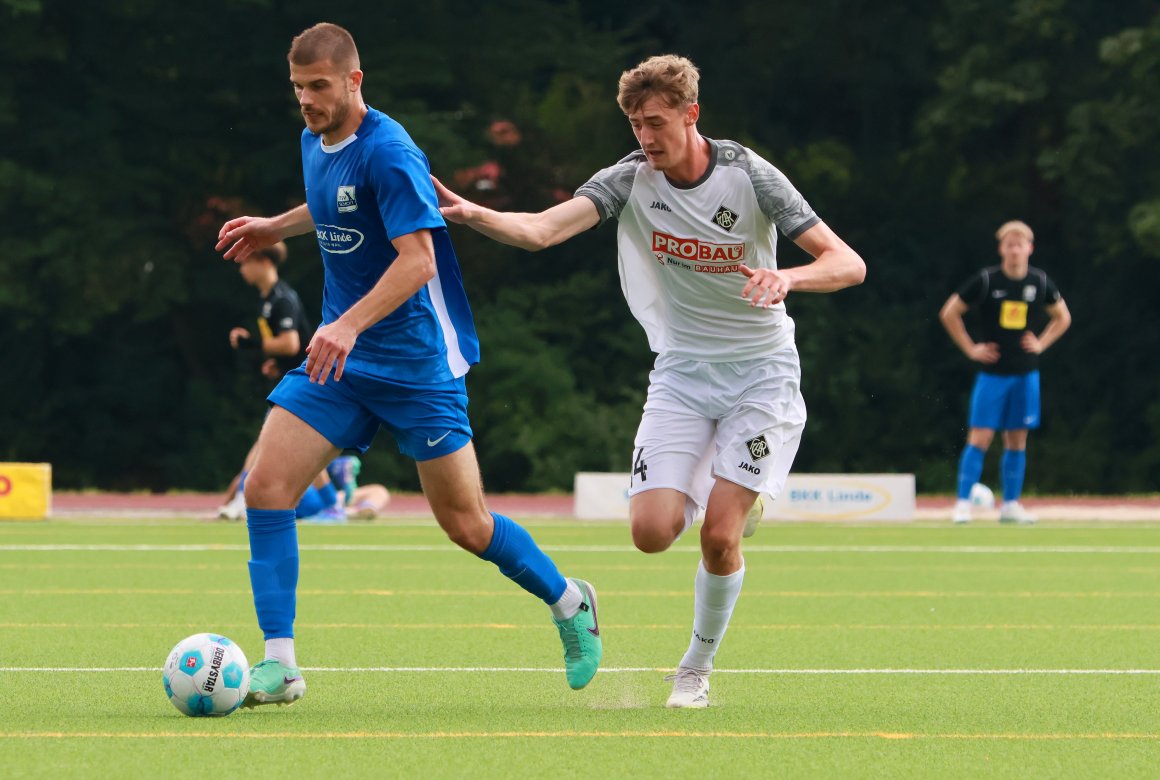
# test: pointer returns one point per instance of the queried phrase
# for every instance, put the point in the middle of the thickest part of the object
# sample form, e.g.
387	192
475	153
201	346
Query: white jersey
680	249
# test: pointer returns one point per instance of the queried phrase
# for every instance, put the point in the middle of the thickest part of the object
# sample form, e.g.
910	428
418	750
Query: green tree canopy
132	130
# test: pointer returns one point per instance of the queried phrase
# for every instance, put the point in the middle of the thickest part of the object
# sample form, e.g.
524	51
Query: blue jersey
372	187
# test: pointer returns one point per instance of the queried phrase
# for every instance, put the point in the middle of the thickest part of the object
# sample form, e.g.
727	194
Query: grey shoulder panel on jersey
610	187
781	203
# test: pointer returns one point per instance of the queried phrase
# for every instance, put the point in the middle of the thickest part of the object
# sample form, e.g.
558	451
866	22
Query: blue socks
329	494
274	569
1013	466
311	503
514	551
970	469
314	500
274	566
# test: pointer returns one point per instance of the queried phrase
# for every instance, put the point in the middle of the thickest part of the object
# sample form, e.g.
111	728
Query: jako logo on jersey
725	217
661	206
758	448
346	199
338	240
721	258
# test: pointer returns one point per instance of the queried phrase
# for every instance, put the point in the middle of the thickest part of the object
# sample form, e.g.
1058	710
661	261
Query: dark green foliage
131	130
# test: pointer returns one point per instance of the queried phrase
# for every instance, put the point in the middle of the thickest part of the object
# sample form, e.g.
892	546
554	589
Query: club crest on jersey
346	199
1029	292
758	448
726	217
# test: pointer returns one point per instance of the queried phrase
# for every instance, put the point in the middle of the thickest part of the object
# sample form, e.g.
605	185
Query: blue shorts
427	421
1005	402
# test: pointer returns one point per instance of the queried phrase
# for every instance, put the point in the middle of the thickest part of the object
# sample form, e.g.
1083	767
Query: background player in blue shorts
1011	300
396	341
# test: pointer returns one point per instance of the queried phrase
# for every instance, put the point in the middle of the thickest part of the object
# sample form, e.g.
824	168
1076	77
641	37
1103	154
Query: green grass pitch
855	651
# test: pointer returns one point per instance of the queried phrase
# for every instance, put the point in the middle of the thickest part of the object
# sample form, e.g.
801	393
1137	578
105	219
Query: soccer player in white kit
698	221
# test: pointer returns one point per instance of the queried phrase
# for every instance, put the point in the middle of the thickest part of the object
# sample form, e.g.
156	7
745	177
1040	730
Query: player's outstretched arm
527	231
835	267
241	237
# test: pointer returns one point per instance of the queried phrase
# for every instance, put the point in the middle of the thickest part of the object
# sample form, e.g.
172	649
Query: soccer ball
982	497
206	674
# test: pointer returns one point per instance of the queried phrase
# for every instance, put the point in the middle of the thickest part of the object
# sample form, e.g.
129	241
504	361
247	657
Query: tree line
132	130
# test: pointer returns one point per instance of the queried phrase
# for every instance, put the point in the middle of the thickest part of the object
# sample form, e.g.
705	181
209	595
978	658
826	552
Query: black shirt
282	311
1005	309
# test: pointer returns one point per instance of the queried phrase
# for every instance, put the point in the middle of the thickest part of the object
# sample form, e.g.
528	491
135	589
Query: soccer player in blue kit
396	341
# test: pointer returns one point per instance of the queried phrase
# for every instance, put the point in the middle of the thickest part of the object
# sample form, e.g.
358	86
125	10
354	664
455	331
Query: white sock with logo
282	651
712	608
568	604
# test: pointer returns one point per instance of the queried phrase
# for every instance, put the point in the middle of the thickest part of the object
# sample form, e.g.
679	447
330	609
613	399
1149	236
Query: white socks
569	603
713	606
282	650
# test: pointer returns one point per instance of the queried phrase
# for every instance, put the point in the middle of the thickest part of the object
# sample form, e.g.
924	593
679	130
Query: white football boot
690	689
1012	512
962	512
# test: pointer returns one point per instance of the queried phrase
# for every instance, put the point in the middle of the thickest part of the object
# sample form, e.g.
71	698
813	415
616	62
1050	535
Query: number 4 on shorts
639	467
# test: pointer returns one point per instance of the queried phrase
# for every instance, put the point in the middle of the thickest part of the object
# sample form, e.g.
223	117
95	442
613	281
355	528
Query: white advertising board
600	496
844	497
827	497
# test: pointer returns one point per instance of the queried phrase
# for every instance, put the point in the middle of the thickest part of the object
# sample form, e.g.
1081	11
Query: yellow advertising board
25	491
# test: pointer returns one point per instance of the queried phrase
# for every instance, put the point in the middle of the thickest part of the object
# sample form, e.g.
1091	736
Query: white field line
184	735
566	548
614	670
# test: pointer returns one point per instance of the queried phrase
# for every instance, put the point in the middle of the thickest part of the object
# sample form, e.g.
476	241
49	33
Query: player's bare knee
719	544
980	437
466	530
721	561
651	537
265	491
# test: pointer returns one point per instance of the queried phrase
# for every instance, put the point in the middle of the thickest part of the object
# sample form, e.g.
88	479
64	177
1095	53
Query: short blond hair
672	78
1015	226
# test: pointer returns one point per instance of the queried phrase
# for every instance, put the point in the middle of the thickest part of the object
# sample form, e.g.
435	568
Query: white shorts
738	421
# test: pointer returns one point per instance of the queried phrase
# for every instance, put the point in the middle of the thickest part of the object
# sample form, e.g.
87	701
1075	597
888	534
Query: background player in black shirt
282	333
1013	300
282	328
